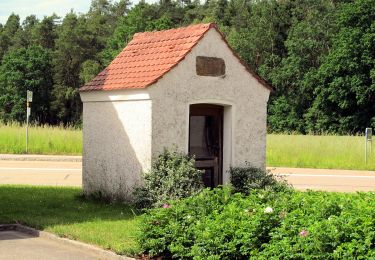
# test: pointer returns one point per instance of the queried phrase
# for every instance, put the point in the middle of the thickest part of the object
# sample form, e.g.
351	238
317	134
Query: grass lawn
327	152
64	212
42	140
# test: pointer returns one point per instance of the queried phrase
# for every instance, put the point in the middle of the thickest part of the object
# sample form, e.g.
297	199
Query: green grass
64	212
326	152
42	140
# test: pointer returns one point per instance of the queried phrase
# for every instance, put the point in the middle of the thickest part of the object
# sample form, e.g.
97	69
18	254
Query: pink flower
166	206
304	233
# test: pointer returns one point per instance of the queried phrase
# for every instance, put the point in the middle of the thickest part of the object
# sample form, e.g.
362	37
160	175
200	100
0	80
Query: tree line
319	55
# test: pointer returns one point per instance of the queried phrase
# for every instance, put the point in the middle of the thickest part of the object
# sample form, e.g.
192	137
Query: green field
42	140
333	152
64	212
326	152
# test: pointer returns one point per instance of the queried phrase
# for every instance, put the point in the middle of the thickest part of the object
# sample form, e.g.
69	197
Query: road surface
328	180
55	173
51	173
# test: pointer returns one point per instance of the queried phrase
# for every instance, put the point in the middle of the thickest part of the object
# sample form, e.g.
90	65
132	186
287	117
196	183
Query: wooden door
206	141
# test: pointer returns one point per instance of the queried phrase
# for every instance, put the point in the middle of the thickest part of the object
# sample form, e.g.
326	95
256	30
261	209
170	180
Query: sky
42	8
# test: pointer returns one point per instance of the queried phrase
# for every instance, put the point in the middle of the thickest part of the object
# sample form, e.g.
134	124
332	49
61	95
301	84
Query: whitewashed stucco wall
116	145
245	97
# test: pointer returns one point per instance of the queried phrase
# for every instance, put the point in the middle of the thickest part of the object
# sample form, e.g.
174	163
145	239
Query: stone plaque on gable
210	66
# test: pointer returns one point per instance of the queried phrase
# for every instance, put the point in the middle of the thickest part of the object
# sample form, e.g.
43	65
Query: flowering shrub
172	176
247	178
220	224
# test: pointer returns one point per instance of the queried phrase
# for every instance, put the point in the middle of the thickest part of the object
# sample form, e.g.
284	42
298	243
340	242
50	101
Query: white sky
43	8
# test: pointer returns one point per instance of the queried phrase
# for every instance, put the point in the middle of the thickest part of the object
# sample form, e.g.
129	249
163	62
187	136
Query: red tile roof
148	56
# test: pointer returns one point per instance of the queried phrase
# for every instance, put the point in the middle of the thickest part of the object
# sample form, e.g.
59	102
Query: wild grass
65	212
326	152
57	140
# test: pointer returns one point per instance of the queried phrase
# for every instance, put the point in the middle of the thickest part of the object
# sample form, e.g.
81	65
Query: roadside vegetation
320	151
42	139
65	212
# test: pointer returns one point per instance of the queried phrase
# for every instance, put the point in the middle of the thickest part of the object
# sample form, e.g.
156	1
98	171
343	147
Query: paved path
52	173
326	179
17	245
62	173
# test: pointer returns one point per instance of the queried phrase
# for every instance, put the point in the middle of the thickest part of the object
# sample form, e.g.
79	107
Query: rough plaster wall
173	93
116	146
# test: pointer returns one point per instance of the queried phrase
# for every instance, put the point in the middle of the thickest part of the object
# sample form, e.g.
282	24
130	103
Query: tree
90	69
26	69
73	47
101	21
23	36
344	98
44	33
7	33
308	41
121	8
135	21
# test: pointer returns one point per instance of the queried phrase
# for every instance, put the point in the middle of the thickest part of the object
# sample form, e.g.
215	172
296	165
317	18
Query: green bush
220	224
172	176
245	179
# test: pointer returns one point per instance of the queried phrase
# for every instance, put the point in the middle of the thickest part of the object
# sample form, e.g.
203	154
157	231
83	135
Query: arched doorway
206	141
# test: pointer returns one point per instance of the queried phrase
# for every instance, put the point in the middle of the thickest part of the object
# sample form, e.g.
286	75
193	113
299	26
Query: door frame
216	111
228	132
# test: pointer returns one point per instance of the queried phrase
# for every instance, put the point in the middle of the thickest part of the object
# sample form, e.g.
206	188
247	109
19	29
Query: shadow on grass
41	207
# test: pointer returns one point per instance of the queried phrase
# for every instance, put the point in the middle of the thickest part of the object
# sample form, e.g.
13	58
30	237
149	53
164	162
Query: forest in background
319	56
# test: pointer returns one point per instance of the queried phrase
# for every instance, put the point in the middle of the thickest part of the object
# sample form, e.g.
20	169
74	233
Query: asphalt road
55	173
51	173
328	180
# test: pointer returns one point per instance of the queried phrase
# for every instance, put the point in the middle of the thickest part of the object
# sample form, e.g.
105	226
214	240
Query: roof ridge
189	27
